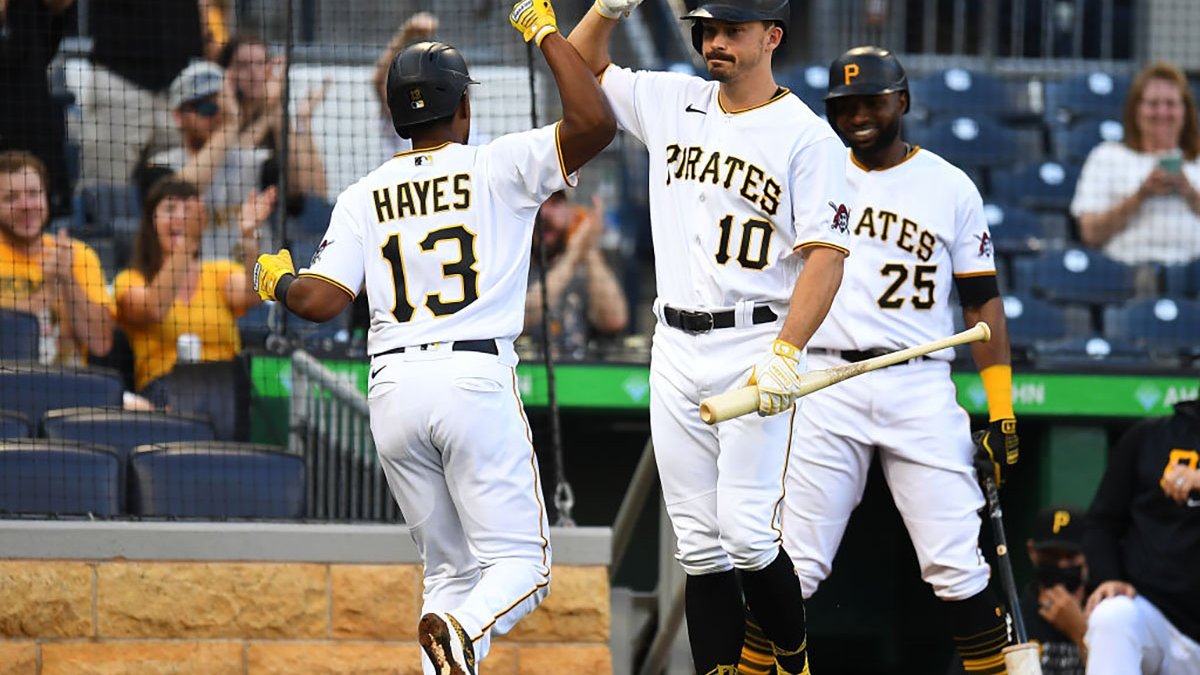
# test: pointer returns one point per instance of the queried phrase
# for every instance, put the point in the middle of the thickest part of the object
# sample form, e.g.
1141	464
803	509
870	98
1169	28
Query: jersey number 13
464	268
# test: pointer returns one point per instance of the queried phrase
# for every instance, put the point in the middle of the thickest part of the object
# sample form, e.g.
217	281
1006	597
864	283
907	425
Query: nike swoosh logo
376	372
692	108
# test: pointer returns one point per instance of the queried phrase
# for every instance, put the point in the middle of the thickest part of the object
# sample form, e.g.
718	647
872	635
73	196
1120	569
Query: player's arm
591	37
309	297
813	294
588	124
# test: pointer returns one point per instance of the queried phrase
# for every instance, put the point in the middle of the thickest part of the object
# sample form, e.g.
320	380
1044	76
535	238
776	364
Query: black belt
693	321
482	346
856	355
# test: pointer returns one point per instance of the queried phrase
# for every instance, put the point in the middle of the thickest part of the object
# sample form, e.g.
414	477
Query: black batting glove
996	450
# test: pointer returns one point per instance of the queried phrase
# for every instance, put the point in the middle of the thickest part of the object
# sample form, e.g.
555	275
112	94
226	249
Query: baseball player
440	237
748	217
918	229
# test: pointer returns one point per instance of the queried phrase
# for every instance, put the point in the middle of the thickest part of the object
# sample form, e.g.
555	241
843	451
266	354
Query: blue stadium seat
98	206
1158	324
124	430
978	141
1072	143
216	391
59	477
1019	231
1183	279
14	425
1031	321
1041	185
32	389
1075	275
311	224
216	480
20	335
957	91
1089	352
1096	94
809	83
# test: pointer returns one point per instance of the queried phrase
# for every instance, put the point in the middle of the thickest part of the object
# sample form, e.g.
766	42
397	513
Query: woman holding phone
1137	198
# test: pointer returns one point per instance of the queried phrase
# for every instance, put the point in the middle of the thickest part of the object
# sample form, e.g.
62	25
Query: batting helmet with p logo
865	71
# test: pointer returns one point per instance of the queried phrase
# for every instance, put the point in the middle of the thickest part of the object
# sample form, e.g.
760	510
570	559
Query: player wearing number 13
918	228
748	217
440	238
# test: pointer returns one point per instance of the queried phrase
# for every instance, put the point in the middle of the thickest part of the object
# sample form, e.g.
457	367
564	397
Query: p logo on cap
1061	520
849	72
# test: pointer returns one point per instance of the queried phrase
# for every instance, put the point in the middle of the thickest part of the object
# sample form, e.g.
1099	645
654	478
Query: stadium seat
809	83
1075	275
20	336
255	325
978	141
1072	143
99	206
216	480
1019	231
59	477
1038	186
957	91
124	430
217	391
311	224
14	425
1183	279
1096	94
1031	321
1158	324
32	389
1090	352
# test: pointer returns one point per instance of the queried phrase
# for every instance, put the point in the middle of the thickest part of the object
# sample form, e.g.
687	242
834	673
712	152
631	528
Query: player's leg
926	459
685	450
412	465
1119	639
495	482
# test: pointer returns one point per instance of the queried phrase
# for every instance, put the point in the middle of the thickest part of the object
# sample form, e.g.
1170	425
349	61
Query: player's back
440	238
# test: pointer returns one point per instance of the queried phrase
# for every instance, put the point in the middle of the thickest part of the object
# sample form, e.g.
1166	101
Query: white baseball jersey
724	211
916	226
441	238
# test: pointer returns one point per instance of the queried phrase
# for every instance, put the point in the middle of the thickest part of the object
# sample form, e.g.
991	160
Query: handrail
640	487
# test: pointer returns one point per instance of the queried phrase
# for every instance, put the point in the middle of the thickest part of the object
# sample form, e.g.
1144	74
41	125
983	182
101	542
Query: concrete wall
242	599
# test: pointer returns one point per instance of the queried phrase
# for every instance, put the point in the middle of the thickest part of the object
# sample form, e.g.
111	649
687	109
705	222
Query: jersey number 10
751	229
464	268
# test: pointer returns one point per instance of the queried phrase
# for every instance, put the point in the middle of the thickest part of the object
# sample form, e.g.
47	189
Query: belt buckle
688	314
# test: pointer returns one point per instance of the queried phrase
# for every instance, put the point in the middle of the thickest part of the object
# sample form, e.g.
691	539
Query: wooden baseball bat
744	401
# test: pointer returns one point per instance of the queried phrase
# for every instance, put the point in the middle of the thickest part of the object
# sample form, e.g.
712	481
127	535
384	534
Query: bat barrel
1004	561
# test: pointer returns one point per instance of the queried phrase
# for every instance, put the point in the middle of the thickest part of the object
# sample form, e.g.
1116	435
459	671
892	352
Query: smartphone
1171	163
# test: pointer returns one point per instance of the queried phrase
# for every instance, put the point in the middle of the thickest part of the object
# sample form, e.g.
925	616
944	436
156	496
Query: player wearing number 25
439	237
748	214
917	227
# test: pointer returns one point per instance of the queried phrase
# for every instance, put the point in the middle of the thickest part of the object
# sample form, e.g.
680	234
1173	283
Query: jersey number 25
464	268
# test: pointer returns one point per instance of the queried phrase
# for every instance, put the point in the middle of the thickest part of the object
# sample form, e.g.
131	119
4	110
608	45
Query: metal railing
330	427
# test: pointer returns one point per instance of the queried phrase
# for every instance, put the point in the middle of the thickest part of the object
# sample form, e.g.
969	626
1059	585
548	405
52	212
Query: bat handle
1004	560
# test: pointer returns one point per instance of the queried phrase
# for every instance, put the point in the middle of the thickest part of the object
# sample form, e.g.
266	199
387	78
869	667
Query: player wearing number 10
747	185
440	238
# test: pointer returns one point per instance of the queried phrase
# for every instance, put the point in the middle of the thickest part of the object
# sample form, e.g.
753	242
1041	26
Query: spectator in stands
258	86
54	277
1143	543
1137	198
30	118
585	298
217	155
1053	605
138	48
170	292
419	26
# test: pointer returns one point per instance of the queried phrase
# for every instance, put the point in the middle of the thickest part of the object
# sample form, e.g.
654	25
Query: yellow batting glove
778	378
534	18
269	269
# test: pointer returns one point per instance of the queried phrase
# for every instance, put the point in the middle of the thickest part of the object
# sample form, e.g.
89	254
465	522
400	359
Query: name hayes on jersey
423	197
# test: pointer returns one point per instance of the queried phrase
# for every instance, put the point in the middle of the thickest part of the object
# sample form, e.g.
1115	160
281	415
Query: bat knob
986	330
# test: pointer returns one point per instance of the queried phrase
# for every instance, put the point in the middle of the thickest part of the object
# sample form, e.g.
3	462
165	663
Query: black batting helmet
736	11
425	83
865	71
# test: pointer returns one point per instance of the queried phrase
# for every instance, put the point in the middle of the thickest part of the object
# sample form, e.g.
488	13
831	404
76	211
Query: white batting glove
778	378
615	9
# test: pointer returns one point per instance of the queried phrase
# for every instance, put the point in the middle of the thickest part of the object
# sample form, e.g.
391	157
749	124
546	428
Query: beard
887	135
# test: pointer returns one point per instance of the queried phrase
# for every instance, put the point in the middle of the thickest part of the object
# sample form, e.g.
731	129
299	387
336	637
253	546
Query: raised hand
534	19
615	9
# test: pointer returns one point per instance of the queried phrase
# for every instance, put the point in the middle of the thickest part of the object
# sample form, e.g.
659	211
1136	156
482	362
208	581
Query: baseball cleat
446	644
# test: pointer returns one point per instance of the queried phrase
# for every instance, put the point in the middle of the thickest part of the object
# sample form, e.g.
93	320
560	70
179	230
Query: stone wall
61	617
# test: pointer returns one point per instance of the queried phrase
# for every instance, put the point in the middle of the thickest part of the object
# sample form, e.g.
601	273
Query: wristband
281	288
997	383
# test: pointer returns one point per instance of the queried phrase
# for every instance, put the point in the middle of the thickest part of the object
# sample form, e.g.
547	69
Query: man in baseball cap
1053	605
200	81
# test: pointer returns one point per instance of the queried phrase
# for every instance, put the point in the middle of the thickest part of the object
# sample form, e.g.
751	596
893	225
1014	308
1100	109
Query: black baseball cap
1058	527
